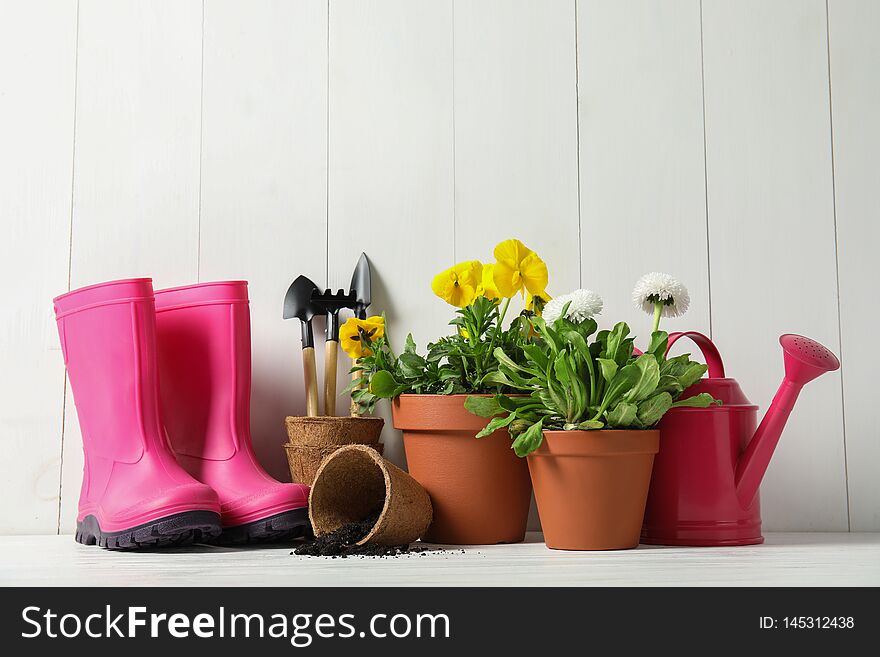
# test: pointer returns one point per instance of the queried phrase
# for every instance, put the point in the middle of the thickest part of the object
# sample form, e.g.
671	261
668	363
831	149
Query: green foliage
573	383
455	364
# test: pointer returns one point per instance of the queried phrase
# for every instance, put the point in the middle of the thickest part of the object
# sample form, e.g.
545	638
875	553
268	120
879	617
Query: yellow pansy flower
458	284
487	286
518	269
356	335
535	302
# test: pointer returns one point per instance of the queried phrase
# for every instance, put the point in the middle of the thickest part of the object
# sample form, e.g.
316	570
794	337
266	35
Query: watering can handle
710	351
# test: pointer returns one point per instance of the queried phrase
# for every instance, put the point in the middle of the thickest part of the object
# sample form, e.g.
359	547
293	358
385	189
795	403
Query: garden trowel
331	304
361	288
298	303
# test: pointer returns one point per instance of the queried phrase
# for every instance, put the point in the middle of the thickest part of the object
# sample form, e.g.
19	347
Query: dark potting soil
342	543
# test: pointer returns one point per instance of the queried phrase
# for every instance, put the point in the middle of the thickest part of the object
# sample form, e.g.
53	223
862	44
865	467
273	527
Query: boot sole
280	527
178	529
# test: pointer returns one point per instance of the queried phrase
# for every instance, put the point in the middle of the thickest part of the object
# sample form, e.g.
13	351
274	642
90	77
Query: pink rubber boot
204	339
134	494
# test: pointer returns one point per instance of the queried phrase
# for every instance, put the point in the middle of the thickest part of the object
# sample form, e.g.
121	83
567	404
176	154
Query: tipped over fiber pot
355	482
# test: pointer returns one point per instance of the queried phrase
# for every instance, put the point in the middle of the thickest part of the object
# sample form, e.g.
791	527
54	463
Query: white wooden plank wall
641	154
37	83
855	103
213	139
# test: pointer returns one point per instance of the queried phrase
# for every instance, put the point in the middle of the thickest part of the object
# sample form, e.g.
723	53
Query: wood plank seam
66	390
837	261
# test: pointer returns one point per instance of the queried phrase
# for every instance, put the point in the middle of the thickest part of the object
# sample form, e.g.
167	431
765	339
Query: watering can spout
805	359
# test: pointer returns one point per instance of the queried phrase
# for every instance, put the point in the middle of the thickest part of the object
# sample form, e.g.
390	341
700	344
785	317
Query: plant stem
498	327
594	389
658	311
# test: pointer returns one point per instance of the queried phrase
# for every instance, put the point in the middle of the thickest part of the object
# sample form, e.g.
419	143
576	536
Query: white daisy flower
661	295
583	305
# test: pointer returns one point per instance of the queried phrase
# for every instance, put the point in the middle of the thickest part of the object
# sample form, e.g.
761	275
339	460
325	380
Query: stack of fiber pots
311	439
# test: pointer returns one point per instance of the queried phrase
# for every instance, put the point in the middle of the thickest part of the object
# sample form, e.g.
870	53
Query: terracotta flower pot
591	487
480	489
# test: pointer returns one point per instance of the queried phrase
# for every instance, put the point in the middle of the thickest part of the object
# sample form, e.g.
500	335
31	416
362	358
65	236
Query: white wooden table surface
827	559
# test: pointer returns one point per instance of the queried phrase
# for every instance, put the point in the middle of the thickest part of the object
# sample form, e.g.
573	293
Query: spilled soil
342	543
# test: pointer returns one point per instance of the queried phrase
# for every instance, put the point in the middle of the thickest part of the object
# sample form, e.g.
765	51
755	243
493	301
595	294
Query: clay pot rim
435	413
378	461
457	394
598	442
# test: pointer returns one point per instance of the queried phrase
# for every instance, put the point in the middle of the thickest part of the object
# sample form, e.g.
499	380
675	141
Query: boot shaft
205	368
108	339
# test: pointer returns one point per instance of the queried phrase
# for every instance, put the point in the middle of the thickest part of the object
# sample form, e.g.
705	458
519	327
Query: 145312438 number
818	622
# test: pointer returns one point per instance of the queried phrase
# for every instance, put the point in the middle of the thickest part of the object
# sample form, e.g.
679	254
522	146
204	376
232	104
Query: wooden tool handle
355	411
330	352
310	373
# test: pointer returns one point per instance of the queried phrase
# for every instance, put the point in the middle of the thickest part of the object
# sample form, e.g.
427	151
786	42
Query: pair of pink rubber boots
161	383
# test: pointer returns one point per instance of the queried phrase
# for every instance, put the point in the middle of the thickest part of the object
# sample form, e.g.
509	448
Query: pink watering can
704	487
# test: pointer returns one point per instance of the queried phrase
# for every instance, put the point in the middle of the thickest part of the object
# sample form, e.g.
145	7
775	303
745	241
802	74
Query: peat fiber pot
355	482
591	487
311	439
479	488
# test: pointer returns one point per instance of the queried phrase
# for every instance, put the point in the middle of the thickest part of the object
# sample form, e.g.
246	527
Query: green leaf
543	395
703	400
495	424
550	336
483	406
669	384
516	403
649	377
382	384
530	439
588	425
586	328
501	378
659	343
608	367
556	392
561	369
536	355
573	387
446	373
616	342
654	408
692	373
622	382
575	339
410	346
504	359
412	366
622	416
675	366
